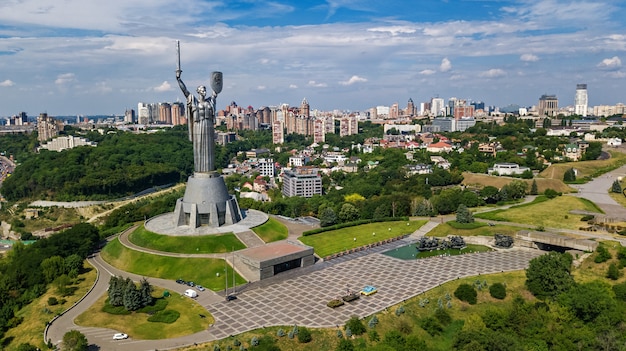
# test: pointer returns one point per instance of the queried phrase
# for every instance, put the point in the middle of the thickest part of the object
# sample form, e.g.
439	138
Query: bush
620	291
613	273
355	325
603	254
280	333
52	301
497	291
165	316
117	310
431	326
373	335
551	193
304	335
467	293
443	316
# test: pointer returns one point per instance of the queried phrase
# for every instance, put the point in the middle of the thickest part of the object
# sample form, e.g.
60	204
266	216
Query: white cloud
103	87
353	79
65	78
493	73
315	84
427	72
293	86
7	83
529	58
394	30
165	86
617	74
610	64
446	65
261	87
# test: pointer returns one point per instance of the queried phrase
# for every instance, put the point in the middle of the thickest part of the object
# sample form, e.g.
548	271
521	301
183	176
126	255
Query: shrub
280	333
603	254
443	316
431	326
355	325
404	327
52	301
550	193
304	335
497	291
620	291
467	293
165	316
373	322
613	273
399	310
254	341
339	334
373	335
237	342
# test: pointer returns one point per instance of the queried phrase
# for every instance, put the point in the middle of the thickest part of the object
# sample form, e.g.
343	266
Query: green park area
334	241
218	243
208	272
544	213
192	318
272	230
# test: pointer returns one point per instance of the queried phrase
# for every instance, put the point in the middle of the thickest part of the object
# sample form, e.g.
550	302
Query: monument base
206	203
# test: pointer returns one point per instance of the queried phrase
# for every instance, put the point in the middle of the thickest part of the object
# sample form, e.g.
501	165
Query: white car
120	336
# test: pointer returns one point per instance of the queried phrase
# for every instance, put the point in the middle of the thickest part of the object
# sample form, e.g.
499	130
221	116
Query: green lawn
202	271
214	243
272	230
449	228
334	241
552	213
136	324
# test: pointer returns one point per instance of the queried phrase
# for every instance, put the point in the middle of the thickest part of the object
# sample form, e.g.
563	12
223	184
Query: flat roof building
304	181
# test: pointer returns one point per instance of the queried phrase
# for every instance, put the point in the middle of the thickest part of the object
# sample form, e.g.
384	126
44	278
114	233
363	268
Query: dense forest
26	271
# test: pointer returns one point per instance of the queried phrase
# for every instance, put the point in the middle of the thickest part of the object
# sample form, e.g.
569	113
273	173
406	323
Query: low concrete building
507	168
268	260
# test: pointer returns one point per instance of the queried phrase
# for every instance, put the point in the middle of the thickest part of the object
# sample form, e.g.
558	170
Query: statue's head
201	90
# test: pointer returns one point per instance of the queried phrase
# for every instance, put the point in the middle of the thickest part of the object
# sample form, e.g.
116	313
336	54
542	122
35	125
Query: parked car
231	297
120	336
180	281
191	293
200	287
190	283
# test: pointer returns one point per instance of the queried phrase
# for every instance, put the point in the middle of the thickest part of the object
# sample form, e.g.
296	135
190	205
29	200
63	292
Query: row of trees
124	292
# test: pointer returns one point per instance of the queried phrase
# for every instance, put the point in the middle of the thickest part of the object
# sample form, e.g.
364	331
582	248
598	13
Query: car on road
231	297
200	287
120	336
191	284
180	281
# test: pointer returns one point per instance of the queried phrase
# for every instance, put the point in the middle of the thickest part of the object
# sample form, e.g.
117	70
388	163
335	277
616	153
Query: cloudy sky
85	57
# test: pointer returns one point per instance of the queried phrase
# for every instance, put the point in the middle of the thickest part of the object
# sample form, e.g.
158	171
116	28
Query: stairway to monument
250	239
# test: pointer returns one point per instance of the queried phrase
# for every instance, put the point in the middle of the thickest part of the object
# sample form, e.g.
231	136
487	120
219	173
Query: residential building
302	181
47	127
266	167
548	105
66	142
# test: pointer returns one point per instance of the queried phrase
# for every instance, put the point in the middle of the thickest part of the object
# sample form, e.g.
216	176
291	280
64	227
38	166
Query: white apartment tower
581	100
437	107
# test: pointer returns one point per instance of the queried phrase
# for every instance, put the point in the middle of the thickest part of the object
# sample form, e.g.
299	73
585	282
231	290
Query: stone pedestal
206	203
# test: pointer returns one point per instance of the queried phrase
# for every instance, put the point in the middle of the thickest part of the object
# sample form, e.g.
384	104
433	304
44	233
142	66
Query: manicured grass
554	213
136	324
473	225
199	270
334	241
272	230
445	229
38	313
217	243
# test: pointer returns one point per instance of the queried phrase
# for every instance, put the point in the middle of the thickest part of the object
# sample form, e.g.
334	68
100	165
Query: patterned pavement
302	299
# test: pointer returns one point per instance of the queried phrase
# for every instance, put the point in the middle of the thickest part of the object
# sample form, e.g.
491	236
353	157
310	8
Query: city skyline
87	57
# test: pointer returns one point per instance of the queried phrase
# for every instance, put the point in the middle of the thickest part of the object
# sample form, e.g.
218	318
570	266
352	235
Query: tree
345	345
116	291
74	340
533	188
73	265
27	347
613	273
463	215
145	292
53	267
549	275
589	300
355	325
497	290
132	296
616	187
569	175
304	335
348	213
328	217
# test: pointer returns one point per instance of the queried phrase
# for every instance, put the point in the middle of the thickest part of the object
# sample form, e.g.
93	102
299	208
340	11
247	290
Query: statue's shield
216	82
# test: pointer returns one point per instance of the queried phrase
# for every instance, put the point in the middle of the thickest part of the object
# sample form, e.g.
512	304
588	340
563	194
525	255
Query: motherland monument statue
206	201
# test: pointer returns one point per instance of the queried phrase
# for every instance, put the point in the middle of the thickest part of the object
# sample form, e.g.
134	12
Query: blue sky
85	57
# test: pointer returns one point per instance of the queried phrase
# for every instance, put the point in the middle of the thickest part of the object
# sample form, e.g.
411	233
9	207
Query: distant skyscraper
437	107
581	100
47	127
548	105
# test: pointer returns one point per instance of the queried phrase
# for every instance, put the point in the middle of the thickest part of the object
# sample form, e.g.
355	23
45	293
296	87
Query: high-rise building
47	127
129	116
548	105
581	101
410	108
304	182
278	132
165	113
437	107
